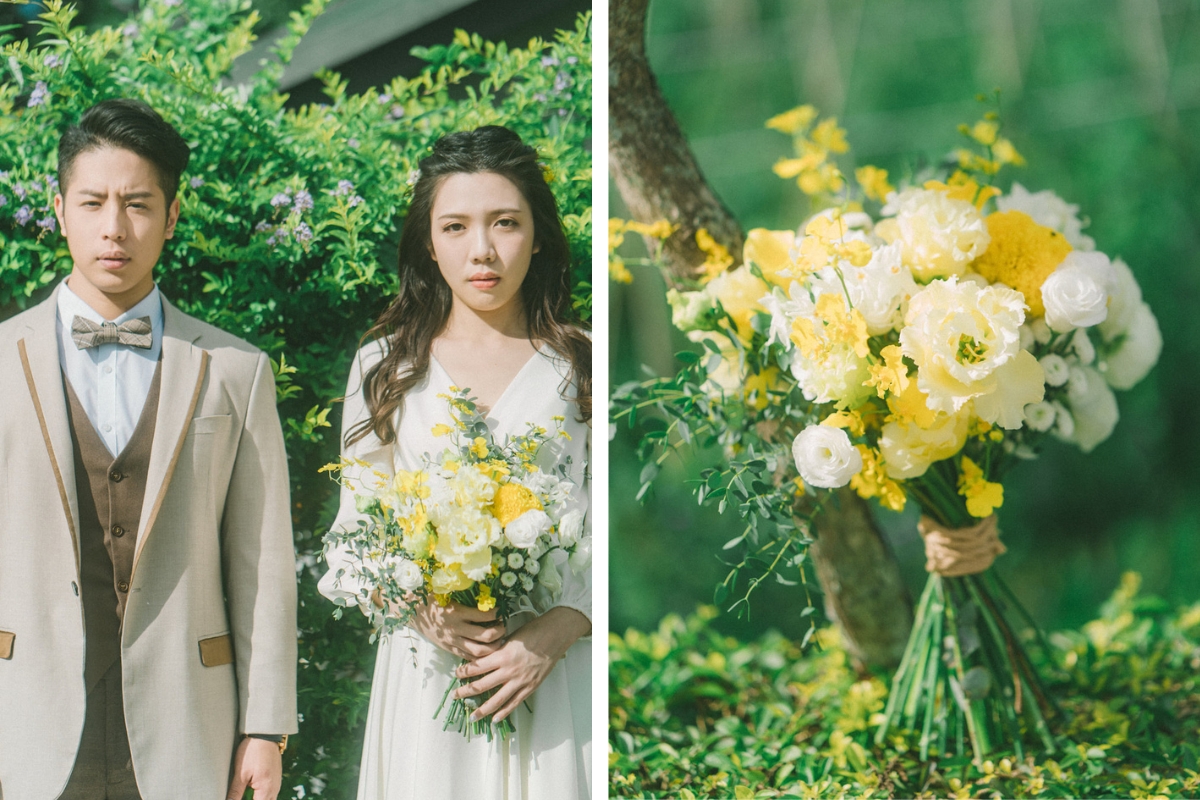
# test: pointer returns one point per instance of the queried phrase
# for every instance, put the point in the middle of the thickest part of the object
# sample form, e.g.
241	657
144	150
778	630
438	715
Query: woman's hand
523	662
462	630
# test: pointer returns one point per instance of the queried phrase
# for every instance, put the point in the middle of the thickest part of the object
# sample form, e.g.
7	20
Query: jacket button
123	586
118	531
115	476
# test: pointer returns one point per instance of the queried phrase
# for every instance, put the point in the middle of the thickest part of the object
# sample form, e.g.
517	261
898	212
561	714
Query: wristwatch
280	739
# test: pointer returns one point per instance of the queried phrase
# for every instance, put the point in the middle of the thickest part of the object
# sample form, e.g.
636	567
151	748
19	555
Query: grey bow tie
135	333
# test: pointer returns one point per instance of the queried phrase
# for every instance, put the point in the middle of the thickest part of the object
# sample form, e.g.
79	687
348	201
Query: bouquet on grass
938	333
477	525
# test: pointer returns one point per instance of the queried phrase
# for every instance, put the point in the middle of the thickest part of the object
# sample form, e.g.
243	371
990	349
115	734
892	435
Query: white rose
1137	352
1040	416
409	576
1094	412
571	527
1124	298
581	556
1076	293
1047	208
1056	369
825	456
939	236
524	530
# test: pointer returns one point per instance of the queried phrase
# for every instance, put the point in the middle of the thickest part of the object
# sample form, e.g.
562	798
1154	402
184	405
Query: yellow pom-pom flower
511	501
1022	254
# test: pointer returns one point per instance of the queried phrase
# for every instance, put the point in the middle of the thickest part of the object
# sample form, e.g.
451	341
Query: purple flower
343	187
37	186
39	94
540	98
304	233
353	143
196	182
19	191
561	81
263	226
572	60
384	98
397	111
353	201
3	200
53	60
281	199
549	61
49	223
52	182
304	201
129	31
171	3
23	215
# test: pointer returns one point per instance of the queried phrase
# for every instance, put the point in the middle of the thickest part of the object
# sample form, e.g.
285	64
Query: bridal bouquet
477	525
916	343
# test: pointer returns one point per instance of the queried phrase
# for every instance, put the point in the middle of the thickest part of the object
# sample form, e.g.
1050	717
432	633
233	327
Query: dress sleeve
577	573
341	583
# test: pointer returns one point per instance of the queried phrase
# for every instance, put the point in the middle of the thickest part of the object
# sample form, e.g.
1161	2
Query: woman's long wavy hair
419	313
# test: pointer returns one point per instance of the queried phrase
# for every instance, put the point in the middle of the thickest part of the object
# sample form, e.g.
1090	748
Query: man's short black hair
129	125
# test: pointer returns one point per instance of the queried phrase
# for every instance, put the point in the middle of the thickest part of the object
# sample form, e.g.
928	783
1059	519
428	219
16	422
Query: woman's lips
484	281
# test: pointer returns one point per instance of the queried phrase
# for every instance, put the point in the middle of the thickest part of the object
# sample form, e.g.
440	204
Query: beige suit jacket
214	556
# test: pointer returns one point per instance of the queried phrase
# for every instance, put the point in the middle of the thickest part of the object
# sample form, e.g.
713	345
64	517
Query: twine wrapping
952	552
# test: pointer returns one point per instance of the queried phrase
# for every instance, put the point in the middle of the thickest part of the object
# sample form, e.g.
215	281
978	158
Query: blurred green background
1103	99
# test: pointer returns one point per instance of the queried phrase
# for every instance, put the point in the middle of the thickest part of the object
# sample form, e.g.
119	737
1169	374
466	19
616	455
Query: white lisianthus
1094	412
908	449
938	236
1040	416
840	377
465	536
880	290
691	310
548	575
959	334
1047	208
581	557
1019	382
1124	298
571	527
1137	352
1055	368
825	456
1076	293
524	531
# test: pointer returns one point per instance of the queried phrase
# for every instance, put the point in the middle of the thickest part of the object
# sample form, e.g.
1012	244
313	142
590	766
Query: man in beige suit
147	578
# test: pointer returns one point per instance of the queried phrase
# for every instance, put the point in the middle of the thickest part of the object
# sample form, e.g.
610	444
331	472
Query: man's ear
172	218
58	212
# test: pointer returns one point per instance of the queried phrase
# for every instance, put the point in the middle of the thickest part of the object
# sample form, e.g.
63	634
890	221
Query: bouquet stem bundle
965	679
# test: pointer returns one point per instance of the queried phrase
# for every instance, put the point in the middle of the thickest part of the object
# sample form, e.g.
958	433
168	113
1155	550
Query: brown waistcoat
110	492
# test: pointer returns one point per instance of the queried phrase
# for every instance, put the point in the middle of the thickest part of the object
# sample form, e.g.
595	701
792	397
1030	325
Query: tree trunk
658	178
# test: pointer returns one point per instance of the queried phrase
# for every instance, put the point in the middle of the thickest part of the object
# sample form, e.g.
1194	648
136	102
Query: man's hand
462	630
257	764
523	662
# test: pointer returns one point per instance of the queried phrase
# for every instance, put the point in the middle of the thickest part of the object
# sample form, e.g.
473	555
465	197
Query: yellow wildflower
794	120
479	448
485	601
874	182
892	374
757	385
1022	254
985	132
850	420
739	291
843	326
873	481
655	230
909	407
983	496
511	501
618	272
961	186
771	252
1005	153
829	136
716	256
442	430
616	233
411	483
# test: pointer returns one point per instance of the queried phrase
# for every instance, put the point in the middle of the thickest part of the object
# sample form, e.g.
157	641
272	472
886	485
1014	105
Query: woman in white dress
484	303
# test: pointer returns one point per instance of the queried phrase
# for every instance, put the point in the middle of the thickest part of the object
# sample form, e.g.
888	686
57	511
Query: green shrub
288	233
698	714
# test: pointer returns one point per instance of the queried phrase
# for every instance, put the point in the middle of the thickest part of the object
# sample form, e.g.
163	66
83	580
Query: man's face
116	220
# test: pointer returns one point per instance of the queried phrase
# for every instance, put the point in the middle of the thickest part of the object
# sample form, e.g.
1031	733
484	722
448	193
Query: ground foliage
698	714
288	232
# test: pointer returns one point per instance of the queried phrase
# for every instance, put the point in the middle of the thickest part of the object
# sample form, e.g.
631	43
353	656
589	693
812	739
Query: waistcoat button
118	531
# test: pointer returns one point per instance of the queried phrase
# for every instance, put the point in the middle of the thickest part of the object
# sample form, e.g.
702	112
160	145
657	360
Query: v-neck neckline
537	351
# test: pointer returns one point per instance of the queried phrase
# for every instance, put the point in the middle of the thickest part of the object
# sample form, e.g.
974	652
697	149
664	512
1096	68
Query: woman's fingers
496	701
489	633
517	698
480	685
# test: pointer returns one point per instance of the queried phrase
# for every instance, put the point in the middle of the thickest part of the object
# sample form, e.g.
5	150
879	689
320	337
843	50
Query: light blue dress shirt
110	380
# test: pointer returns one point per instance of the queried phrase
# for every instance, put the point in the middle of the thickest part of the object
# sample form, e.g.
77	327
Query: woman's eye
507	223
453	227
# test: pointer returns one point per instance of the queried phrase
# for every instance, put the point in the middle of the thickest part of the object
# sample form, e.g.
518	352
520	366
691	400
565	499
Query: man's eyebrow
128	196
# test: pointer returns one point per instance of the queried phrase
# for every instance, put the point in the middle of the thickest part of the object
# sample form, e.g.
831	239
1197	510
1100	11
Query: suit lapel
43	377
184	366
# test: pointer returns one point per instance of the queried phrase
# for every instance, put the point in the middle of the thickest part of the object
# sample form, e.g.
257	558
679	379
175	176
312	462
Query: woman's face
482	235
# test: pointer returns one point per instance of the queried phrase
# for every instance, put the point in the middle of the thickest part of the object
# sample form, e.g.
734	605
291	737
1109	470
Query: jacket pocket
216	651
6	644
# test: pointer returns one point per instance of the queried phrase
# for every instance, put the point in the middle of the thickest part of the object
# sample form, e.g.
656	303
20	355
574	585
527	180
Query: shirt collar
70	305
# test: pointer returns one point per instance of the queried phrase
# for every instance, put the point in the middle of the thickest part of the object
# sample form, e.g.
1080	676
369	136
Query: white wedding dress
406	753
